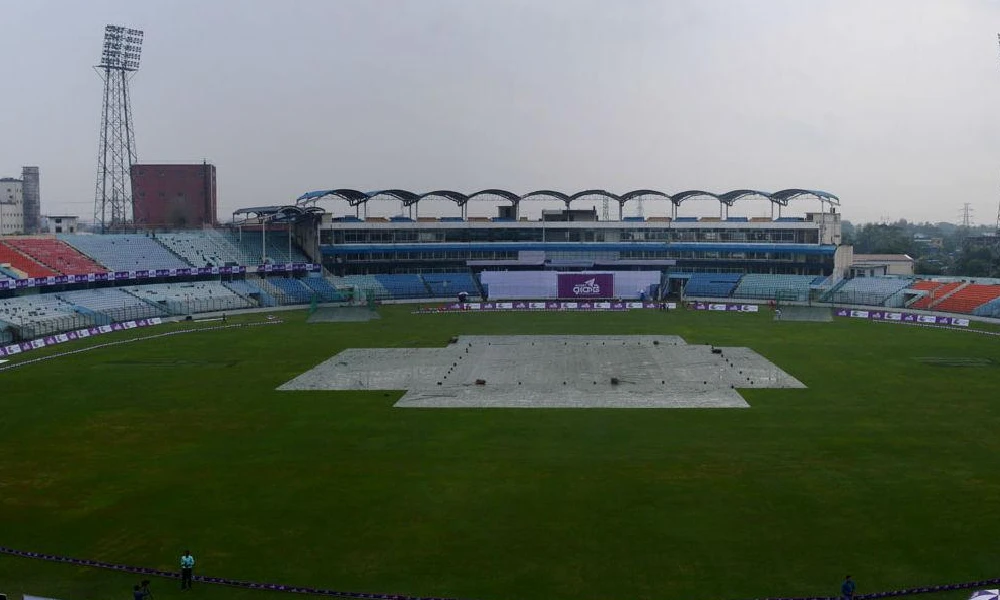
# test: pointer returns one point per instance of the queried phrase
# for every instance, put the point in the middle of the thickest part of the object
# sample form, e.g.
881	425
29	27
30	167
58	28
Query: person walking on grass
187	567
847	589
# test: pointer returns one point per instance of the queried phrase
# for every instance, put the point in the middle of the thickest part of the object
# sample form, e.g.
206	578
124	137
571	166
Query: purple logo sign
583	285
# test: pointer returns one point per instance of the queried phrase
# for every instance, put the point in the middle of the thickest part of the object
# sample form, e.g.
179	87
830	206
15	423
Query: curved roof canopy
288	213
355	197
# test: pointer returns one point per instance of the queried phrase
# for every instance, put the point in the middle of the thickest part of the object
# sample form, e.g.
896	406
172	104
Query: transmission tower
116	150
966	214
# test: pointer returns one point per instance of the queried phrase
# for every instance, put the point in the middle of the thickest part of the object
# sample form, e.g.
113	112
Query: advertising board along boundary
79	334
901	317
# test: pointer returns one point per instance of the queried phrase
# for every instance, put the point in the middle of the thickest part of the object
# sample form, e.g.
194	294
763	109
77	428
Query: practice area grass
886	467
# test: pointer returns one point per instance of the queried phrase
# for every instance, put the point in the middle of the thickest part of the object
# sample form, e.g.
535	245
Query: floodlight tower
116	150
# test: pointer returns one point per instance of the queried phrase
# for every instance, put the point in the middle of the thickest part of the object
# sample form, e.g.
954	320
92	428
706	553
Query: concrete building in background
32	200
11	206
60	224
173	196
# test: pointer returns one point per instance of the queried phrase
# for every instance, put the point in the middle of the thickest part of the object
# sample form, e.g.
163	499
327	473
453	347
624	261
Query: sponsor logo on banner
893	316
860	314
537	305
82	333
586	285
62	338
717	307
104	329
129	324
13	349
520	306
570	305
960	322
750	308
927	319
604	305
634	305
155	321
71	335
505	305
38	344
474	306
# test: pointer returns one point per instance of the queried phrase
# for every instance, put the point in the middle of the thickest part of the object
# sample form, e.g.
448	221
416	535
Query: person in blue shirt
187	567
847	589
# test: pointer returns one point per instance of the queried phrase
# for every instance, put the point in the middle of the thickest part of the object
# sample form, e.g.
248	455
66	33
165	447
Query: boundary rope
298	589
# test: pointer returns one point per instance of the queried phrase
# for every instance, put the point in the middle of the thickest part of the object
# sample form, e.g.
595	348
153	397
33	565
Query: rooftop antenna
116	149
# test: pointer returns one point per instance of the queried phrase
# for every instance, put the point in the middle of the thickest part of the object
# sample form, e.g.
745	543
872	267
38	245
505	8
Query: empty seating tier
295	291
711	285
323	289
24	264
113	303
403	286
968	298
774	287
126	252
186	298
41	314
936	291
447	285
203	249
56	255
250	246
871	291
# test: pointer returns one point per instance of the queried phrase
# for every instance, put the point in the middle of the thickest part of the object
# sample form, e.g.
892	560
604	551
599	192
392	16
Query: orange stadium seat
969	298
56	255
22	262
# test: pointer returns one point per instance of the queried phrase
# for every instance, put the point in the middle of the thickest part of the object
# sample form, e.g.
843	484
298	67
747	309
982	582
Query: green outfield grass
887	466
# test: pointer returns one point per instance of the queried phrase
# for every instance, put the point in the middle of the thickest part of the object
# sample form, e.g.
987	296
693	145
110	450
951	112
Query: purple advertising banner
584	285
725	307
549	305
75	335
901	317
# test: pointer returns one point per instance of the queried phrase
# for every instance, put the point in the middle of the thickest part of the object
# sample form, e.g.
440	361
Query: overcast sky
893	105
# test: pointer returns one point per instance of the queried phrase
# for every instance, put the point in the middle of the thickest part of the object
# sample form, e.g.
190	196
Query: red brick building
174	196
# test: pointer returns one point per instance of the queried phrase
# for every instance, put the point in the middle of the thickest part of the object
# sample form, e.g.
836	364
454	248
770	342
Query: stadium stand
253	292
56	255
323	288
203	249
990	309
936	292
112	303
125	252
406	285
38	315
448	285
185	298
277	247
368	283
711	285
23	263
293	289
968	298
757	286
871	291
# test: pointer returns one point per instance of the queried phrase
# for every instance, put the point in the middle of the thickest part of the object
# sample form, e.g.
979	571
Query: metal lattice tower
116	150
966	214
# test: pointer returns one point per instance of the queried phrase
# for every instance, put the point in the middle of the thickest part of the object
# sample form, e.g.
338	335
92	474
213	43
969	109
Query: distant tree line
937	248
